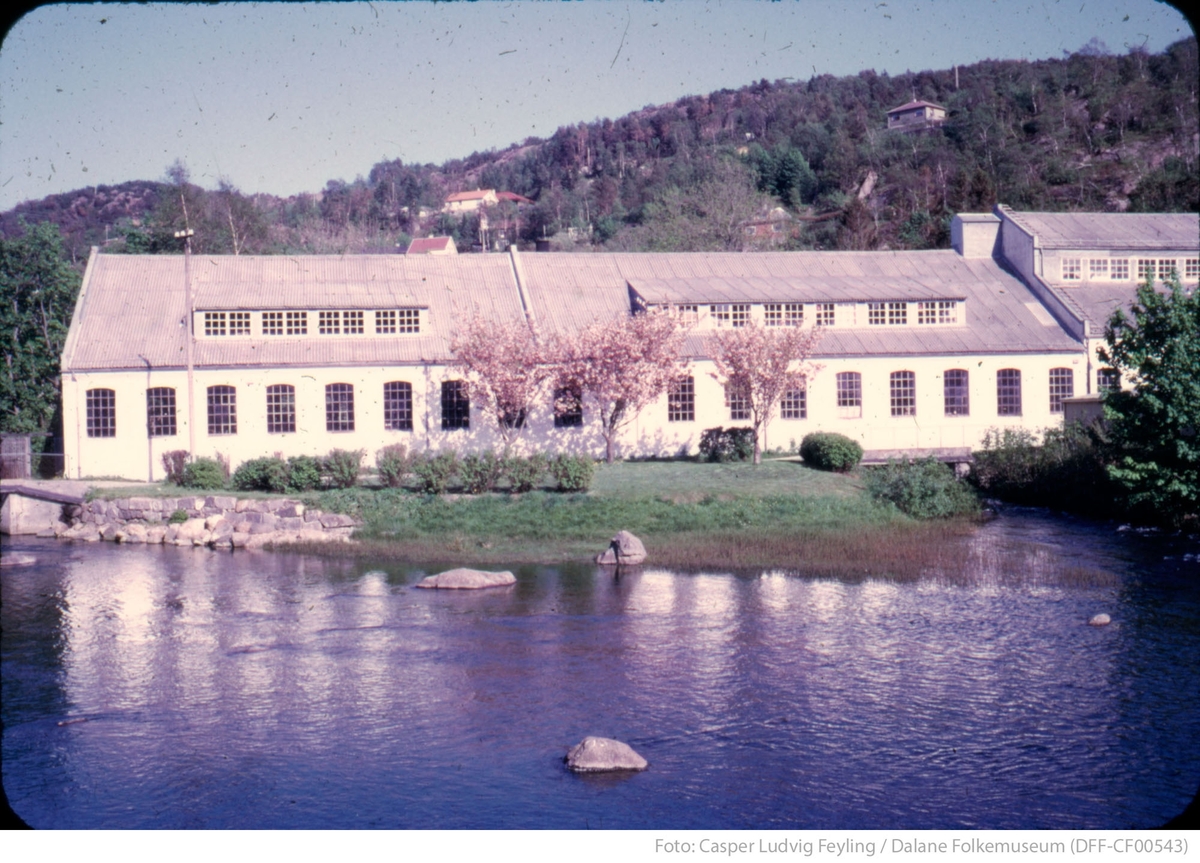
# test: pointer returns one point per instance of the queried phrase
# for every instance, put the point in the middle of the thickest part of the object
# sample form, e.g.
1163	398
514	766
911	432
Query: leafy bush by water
480	472
572	472
830	451
174	463
435	471
524	473
344	466
262	474
1066	471
393	462
921	489
203	473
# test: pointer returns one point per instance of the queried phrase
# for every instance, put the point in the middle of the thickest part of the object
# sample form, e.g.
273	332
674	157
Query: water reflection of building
301	355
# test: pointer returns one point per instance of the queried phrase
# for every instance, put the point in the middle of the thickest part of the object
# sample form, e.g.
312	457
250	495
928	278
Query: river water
159	687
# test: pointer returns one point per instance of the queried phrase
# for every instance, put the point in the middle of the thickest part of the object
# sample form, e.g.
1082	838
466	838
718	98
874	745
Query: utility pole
186	236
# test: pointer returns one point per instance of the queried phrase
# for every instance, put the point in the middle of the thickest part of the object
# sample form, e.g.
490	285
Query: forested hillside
1092	131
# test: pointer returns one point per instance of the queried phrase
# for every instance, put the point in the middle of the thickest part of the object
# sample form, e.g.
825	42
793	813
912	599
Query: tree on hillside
621	366
505	368
37	297
760	364
1155	427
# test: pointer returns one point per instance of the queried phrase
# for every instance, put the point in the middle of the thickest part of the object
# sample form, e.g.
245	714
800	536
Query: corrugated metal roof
1115	231
135	306
1096	302
907	106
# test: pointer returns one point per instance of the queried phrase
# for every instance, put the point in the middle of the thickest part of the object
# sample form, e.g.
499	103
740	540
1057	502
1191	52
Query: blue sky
282	97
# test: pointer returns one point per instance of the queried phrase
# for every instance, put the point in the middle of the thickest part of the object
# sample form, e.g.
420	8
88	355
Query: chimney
975	235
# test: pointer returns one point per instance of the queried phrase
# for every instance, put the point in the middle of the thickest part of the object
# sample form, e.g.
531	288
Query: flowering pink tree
505	368
760	364
621	366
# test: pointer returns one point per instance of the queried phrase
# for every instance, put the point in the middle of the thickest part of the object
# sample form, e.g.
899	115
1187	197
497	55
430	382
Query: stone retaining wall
218	521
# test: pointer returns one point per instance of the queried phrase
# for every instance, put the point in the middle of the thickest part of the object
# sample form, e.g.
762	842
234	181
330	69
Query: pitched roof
513	196
476	195
426	245
1113	231
919	103
134	306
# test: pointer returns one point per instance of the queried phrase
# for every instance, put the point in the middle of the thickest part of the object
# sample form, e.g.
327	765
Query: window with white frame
297	323
397	406
239	323
385	322
1097	268
1062	386
409	320
1119	269
160	412
826	314
689	314
783	314
1107	380
849	395
101	413
281	409
568	408
956	392
681	401
1191	269
1166	266
456	405
738	403
352	323
222	410
731	315
215	324
329	323
937	312
794	404
1008	392
1071	269
272	323
1145	269
876	314
904	394
339	407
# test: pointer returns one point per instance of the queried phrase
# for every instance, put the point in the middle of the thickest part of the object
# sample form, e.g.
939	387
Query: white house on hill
301	355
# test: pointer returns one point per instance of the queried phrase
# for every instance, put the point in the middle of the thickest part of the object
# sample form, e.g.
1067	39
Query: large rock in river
624	550
467	579
603	754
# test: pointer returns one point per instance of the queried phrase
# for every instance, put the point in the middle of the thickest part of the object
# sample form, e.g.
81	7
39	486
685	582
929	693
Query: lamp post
186	236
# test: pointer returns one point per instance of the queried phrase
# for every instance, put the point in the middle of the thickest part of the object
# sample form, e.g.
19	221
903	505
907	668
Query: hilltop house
916	115
303	354
470	202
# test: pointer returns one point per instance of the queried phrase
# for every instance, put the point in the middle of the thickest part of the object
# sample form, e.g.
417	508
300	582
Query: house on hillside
470	202
773	229
514	198
432	246
916	115
304	354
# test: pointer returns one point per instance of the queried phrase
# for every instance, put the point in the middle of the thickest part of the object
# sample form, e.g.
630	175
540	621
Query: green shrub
435	471
524	473
393	463
303	474
921	489
203	473
344	466
1066	471
179	516
830	451
727	444
174	463
262	474
480	472
572	472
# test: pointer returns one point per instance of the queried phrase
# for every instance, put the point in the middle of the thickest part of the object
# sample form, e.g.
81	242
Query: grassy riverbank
729	516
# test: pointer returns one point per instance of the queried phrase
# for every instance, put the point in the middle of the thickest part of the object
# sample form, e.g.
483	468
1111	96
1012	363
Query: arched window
101	413
339	408
281	408
1008	392
904	394
397	406
160	412
1062	386
849	395
222	410
956	390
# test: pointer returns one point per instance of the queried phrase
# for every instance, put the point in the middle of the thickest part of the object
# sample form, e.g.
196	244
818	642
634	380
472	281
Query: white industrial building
301	355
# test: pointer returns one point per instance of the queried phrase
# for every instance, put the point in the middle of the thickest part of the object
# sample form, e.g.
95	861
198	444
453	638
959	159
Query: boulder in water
603	755
1100	620
467	579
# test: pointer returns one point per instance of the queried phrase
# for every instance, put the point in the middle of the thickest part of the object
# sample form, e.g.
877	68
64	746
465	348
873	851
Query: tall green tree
1155	427
37	297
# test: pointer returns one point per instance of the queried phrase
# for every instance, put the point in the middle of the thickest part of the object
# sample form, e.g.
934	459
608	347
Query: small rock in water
467	579
1100	620
17	559
625	549
603	754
